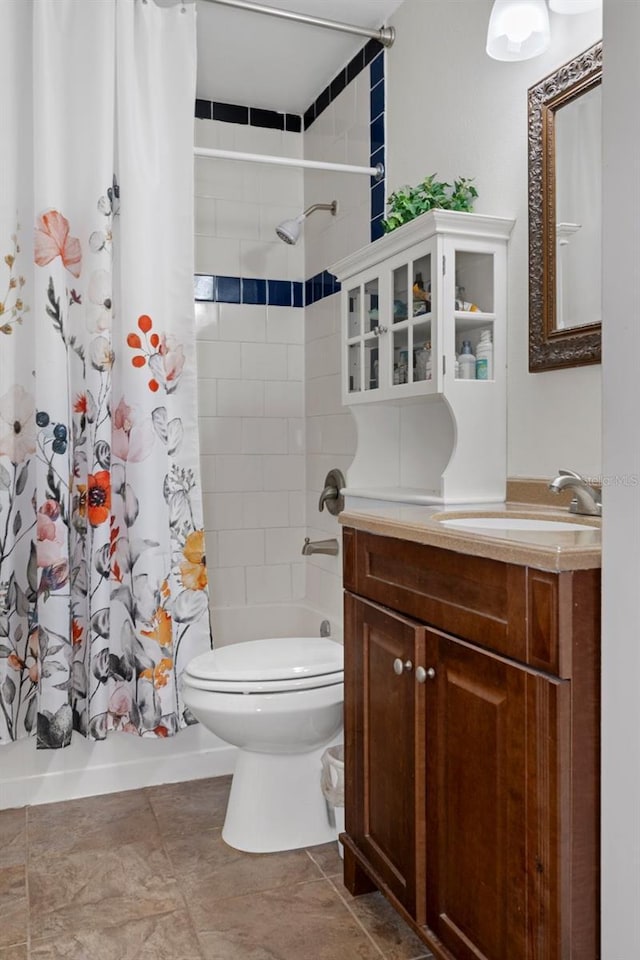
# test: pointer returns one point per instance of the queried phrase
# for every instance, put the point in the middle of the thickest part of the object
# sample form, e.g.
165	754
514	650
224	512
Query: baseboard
122	762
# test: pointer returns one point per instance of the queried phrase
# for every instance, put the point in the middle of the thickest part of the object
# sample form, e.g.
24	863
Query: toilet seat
272	665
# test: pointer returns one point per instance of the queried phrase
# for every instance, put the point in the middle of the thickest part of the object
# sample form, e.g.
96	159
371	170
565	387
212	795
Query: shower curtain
103	583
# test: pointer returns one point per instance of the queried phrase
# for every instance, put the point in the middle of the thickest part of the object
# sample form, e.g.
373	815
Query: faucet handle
331	496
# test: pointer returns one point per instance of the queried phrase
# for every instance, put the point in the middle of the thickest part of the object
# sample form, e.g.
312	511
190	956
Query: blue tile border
252	290
249	290
377	142
253	116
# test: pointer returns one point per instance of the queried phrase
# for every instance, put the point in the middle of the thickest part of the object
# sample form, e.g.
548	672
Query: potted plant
407	203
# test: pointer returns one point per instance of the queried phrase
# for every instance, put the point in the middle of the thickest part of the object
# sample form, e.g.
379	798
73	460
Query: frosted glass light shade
518	29
574	6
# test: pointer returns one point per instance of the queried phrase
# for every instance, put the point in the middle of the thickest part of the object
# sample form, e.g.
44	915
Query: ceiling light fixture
574	6
518	29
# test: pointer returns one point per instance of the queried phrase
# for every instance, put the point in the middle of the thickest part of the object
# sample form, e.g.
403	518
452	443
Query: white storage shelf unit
409	301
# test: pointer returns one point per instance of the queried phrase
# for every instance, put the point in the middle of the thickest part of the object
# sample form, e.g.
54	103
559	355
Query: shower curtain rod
386	35
377	172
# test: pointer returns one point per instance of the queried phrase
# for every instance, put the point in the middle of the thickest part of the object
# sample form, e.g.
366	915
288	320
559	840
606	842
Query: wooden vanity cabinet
471	772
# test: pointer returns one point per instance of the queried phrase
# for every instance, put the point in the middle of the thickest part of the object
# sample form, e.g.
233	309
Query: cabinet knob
400	665
422	674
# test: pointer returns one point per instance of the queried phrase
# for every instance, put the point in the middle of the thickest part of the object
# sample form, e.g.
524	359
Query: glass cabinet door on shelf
474	314
412	330
422	307
362	338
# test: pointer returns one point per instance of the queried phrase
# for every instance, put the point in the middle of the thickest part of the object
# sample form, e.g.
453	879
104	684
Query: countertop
544	550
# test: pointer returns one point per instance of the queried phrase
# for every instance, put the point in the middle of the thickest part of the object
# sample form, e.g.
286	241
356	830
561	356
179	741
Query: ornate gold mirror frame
550	347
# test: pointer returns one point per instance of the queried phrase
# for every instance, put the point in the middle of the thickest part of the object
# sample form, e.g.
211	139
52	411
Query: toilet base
276	803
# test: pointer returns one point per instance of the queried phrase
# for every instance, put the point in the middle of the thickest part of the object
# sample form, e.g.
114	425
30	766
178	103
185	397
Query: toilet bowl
279	700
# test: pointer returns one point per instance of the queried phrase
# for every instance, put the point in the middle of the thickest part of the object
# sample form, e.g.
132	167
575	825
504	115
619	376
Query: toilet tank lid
273	658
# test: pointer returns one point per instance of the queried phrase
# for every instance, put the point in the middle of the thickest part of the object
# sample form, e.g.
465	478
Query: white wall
250	372
453	111
621	466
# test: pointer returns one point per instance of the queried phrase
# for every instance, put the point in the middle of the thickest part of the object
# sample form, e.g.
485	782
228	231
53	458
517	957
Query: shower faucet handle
331	496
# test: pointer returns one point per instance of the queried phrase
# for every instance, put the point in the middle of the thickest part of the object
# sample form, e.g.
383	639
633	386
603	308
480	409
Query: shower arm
386	35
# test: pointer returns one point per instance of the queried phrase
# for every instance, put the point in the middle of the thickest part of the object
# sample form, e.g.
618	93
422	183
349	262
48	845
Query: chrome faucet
320	546
586	499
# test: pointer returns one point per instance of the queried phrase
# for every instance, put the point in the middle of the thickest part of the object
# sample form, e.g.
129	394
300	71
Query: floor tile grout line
27	873
355	917
179	883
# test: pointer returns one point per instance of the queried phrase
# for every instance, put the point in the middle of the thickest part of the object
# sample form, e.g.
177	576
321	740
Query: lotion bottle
484	357
467	362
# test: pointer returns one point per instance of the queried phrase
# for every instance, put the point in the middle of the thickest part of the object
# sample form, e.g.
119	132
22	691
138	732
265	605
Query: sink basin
516	523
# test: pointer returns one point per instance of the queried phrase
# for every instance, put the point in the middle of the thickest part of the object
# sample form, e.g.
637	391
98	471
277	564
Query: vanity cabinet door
384	747
494	745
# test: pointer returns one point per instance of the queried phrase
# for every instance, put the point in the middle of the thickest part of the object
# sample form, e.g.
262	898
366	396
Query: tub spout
329	547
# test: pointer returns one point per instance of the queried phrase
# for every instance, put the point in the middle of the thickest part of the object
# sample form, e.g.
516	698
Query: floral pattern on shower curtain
103	582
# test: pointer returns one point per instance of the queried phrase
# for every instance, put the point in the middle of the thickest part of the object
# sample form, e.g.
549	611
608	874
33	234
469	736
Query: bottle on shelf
484	357
467	362
423	362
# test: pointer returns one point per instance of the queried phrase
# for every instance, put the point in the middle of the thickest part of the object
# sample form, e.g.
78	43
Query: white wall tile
222	511
207	471
285	325
218	256
240	548
227	587
207	397
223	435
295	362
266	509
242	322
239	473
297	432
264	435
324	592
339	434
259	258
284	545
284	399
322	319
238	220
264	361
297	511
207	431
279	182
314	434
219	359
211	544
205	217
298	581
237	398
219	179
268	584
283	473
323	357
322	396
207	319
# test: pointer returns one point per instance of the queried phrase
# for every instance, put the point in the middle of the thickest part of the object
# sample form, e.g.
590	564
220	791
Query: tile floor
145	875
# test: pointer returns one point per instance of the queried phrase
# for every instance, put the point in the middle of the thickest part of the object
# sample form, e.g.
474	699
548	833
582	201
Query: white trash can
332	783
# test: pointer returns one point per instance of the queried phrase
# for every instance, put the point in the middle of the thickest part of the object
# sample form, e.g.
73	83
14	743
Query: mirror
565	216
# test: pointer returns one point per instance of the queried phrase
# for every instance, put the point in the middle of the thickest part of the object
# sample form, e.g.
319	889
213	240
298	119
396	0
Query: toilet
279	700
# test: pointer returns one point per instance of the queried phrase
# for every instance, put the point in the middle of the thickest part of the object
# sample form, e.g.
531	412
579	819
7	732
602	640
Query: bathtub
124	762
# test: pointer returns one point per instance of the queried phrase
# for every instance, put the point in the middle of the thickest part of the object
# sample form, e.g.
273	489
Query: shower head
289	230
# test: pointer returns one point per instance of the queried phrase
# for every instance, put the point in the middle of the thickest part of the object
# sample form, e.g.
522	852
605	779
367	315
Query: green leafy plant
407	203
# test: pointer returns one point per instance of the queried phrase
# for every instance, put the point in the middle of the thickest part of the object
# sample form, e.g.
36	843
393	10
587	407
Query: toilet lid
276	658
